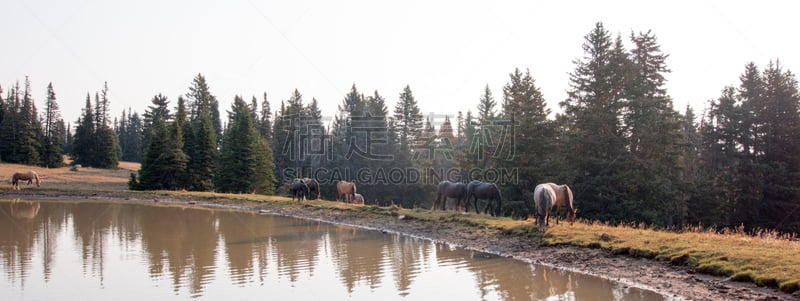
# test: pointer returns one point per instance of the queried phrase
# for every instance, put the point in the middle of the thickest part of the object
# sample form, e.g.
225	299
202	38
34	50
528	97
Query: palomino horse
446	190
348	189
358	199
485	190
543	196
563	198
312	185
299	189
27	176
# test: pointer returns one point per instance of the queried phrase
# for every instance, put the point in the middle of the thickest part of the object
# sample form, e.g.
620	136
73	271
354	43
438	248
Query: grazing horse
348	189
312	185
543	196
299	189
28	176
485	190
563	198
358	199
446	190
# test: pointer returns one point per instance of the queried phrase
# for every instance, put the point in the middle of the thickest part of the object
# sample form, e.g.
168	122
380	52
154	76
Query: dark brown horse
563	199
313	185
299	189
27	176
348	189
488	191
543	196
446	190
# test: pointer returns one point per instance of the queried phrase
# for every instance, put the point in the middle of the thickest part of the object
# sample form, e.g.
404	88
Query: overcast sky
446	51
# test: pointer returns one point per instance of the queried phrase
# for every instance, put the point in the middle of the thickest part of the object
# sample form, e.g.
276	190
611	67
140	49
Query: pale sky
447	51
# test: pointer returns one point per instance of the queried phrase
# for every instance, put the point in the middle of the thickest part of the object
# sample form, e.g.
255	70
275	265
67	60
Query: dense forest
627	153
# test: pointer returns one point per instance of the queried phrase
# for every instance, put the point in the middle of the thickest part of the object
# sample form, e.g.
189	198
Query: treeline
628	154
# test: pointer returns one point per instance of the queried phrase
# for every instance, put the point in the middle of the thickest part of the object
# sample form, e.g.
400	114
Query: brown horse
312	184
543	196
563	198
28	176
348	189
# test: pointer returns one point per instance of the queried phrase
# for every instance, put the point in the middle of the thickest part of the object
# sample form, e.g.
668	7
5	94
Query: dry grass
63	178
765	258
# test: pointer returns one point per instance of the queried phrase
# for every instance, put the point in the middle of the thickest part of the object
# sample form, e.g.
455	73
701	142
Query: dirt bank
675	281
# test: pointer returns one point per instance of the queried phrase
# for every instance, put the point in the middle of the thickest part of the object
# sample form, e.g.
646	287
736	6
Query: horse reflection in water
24	210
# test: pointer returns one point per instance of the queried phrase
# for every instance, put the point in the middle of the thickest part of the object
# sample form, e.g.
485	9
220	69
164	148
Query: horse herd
302	188
545	196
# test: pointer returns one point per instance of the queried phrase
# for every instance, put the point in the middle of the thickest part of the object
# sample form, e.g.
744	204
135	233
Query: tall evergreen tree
777	128
106	147
84	140
206	131
595	141
52	155
29	134
527	128
654	137
407	120
240	169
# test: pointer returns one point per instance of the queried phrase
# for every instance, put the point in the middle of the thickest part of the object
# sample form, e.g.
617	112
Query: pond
93	250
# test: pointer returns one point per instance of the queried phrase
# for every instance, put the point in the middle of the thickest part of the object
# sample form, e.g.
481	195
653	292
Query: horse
29	176
358	199
312	184
299	189
348	189
543	196
446	190
484	190
563	198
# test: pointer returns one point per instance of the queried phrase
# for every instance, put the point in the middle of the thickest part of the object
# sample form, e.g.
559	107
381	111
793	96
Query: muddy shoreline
677	282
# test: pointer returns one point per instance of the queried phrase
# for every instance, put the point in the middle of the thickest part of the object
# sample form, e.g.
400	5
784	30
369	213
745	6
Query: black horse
488	191
313	185
299	189
447	189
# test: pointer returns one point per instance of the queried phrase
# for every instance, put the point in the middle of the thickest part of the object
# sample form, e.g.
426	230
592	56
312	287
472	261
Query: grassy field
765	258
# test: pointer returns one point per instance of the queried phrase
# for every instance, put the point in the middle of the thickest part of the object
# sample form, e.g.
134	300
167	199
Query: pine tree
29	134
265	123
526	128
407	120
240	169
206	132
164	163
654	136
84	139
52	155
595	144
106	147
778	127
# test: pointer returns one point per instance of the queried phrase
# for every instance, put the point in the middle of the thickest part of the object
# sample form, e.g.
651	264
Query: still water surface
77	250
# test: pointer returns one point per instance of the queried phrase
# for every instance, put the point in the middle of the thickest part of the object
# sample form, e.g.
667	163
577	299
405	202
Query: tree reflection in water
216	253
